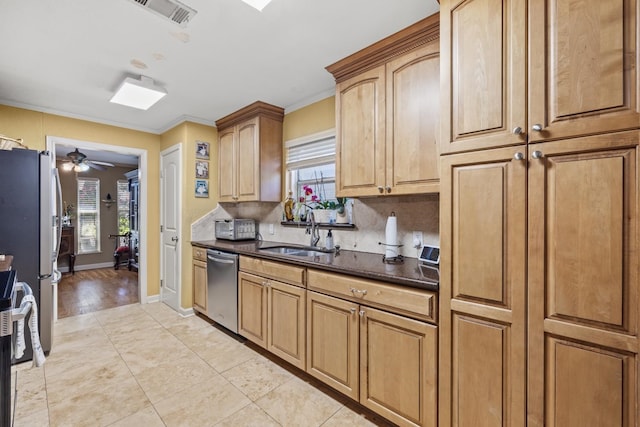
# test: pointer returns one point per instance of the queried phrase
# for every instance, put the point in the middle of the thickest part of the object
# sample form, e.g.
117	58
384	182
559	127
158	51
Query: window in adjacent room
123	206
88	215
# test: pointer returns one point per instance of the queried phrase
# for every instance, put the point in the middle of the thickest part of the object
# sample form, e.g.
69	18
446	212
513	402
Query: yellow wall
34	126
311	119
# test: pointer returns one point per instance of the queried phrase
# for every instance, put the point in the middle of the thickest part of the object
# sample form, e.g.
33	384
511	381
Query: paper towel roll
391	237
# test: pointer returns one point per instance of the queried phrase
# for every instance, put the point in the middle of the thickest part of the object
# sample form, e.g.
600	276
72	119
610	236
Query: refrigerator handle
56	176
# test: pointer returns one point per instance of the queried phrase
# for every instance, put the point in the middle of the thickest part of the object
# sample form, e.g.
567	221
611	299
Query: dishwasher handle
220	260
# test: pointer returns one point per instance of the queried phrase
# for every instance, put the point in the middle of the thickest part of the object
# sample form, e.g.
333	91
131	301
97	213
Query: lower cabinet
272	315
386	361
199	279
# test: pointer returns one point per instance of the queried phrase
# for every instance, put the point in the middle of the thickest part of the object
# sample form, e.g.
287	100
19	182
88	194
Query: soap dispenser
328	242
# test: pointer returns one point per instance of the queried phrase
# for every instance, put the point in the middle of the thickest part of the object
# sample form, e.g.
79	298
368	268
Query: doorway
117	287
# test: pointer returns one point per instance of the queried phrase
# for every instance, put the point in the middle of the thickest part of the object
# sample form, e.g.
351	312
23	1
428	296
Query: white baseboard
87	267
151	299
186	312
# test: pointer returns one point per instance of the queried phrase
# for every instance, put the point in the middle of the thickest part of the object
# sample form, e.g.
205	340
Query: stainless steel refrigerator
27	229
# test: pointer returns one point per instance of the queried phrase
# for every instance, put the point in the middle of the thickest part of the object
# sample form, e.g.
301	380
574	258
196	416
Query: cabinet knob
517	130
518	156
352	310
380	189
537	154
361	313
388	189
537	127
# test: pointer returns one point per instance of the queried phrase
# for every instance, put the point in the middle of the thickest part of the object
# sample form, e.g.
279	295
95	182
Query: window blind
88	215
311	153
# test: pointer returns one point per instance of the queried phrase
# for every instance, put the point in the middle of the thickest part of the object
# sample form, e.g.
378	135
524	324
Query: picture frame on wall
202	188
202	169
202	150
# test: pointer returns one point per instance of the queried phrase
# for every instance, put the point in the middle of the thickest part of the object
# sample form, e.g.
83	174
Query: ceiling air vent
173	10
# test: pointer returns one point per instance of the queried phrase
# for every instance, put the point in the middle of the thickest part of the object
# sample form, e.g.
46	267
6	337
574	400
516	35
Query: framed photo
202	150
202	169
202	188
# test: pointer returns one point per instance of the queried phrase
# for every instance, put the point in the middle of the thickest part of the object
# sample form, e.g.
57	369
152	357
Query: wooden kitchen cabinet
581	78
386	361
482	289
583	281
387	110
250	154
199	279
272	313
541	348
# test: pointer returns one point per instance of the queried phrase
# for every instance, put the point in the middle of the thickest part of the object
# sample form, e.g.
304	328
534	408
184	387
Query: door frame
176	147
143	157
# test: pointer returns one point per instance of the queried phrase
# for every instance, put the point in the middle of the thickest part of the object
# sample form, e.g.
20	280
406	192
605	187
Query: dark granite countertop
362	264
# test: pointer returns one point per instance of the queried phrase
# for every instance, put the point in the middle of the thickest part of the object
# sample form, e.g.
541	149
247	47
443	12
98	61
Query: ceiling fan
78	162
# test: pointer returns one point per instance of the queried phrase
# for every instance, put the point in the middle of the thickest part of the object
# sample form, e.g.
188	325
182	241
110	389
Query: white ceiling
68	56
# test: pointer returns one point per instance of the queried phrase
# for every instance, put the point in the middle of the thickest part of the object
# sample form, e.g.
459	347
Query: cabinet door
360	132
583	76
398	367
583	281
482	288
248	171
413	125
286	322
226	165
483	56
332	342
200	286
252	308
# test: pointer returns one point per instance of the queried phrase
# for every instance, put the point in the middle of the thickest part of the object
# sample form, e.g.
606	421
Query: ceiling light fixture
140	94
258	4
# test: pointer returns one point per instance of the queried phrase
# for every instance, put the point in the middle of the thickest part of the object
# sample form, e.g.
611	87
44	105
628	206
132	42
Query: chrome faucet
312	228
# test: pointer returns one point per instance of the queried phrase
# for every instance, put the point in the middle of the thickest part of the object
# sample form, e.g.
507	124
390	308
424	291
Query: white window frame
317	149
122	207
80	211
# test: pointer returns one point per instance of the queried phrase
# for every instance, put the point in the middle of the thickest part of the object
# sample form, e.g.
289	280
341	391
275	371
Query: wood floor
93	290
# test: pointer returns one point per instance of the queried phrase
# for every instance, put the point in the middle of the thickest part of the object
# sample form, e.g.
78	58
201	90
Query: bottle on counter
288	207
328	242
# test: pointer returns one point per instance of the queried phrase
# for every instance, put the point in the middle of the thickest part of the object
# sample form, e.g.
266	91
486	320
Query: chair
122	251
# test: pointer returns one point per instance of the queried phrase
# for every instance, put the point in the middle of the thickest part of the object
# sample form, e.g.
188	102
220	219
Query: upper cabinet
582	71
250	154
387	109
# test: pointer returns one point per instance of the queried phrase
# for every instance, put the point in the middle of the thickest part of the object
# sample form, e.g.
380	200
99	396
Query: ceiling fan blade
94	166
101	163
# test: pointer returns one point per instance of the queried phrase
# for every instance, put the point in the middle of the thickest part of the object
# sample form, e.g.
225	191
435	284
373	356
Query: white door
170	200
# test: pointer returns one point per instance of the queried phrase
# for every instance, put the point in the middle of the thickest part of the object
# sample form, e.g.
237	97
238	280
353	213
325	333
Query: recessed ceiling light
258	4
140	94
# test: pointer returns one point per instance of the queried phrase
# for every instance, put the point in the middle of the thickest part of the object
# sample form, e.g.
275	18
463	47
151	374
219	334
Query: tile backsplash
414	213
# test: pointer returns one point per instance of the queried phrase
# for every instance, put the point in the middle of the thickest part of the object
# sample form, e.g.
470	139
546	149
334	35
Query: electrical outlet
417	239
272	229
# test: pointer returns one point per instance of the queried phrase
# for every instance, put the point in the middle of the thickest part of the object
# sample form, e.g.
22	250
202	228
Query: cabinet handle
388	189
380	189
537	154
537	127
517	130
352	310
358	291
518	156
361	313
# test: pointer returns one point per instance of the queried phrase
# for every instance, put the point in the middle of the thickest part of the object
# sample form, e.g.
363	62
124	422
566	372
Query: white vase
322	215
342	218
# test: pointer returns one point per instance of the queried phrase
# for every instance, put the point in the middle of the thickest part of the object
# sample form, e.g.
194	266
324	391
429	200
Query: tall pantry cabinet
539	295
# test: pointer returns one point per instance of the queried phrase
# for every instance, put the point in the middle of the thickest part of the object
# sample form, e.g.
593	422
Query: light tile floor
145	365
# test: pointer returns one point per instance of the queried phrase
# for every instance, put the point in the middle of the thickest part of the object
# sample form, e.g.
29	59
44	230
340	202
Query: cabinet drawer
273	270
199	253
416	303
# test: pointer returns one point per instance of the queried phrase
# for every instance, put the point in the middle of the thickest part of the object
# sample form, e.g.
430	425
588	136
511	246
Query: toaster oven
236	229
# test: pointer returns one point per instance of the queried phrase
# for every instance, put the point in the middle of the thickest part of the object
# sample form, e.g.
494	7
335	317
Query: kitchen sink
300	251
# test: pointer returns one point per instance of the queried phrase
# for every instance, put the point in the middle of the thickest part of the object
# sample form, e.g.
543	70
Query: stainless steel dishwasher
222	288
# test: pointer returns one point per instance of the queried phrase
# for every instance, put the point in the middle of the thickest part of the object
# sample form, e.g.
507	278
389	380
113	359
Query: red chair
122	251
